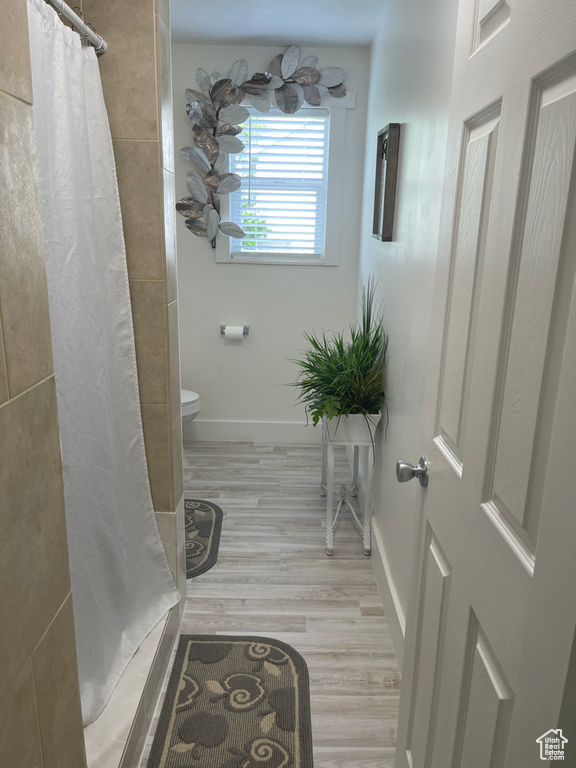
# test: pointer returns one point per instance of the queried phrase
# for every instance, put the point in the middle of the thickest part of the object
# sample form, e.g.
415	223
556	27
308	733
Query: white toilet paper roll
234	332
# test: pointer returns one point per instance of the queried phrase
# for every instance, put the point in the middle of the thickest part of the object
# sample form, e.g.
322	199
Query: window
282	203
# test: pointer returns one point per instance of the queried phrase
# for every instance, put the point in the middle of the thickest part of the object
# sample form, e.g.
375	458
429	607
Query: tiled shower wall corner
38	680
39	700
137	82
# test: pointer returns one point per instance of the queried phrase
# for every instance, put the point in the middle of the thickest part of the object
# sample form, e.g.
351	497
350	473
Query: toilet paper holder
246	330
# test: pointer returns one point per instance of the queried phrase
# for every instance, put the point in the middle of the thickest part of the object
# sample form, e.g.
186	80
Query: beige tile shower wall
39	699
136	75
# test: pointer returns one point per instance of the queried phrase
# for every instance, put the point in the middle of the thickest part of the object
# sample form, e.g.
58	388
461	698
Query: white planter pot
353	428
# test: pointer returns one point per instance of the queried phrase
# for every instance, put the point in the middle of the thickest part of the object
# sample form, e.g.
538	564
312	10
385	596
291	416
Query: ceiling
276	22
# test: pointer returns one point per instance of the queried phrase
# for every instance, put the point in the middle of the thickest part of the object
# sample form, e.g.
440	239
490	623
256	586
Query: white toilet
190	407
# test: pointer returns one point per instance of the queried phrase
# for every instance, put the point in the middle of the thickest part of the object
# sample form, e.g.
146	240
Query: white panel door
491	627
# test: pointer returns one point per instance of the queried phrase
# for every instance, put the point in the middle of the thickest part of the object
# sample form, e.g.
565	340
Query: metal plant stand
327	486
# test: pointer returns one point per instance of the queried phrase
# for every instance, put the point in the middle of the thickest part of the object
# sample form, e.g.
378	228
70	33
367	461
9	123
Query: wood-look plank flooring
274	579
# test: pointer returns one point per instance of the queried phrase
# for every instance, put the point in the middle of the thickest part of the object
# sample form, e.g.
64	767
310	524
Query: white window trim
336	154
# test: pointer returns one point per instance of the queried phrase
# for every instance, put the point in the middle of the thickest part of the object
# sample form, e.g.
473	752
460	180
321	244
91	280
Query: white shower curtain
121	582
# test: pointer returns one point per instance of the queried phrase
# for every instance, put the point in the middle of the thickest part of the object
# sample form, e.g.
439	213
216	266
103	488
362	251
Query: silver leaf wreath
216	115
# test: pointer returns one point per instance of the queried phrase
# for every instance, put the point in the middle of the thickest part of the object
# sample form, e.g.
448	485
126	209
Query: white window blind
282	202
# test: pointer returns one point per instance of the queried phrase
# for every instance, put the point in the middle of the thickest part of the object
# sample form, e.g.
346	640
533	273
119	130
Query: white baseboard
253	431
384	579
388	592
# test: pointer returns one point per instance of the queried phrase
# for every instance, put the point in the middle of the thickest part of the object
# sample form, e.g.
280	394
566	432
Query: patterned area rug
234	702
203	524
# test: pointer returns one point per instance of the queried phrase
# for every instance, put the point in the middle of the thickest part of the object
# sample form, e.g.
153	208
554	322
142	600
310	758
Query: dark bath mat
202	525
234	702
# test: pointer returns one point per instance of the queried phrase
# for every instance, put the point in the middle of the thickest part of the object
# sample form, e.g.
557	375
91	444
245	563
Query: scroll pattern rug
234	702
203	524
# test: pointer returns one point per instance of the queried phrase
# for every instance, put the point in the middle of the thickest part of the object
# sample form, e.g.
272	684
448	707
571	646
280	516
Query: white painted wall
241	384
410	80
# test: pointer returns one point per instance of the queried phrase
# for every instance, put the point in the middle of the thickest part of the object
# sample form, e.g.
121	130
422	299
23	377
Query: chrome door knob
405	471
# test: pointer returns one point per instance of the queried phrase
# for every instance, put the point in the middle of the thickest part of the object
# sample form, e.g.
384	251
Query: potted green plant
343	380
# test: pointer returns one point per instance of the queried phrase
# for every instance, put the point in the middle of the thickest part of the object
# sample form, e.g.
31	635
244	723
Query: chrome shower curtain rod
78	23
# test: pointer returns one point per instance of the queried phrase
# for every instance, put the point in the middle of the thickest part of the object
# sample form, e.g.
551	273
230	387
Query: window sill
282	262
